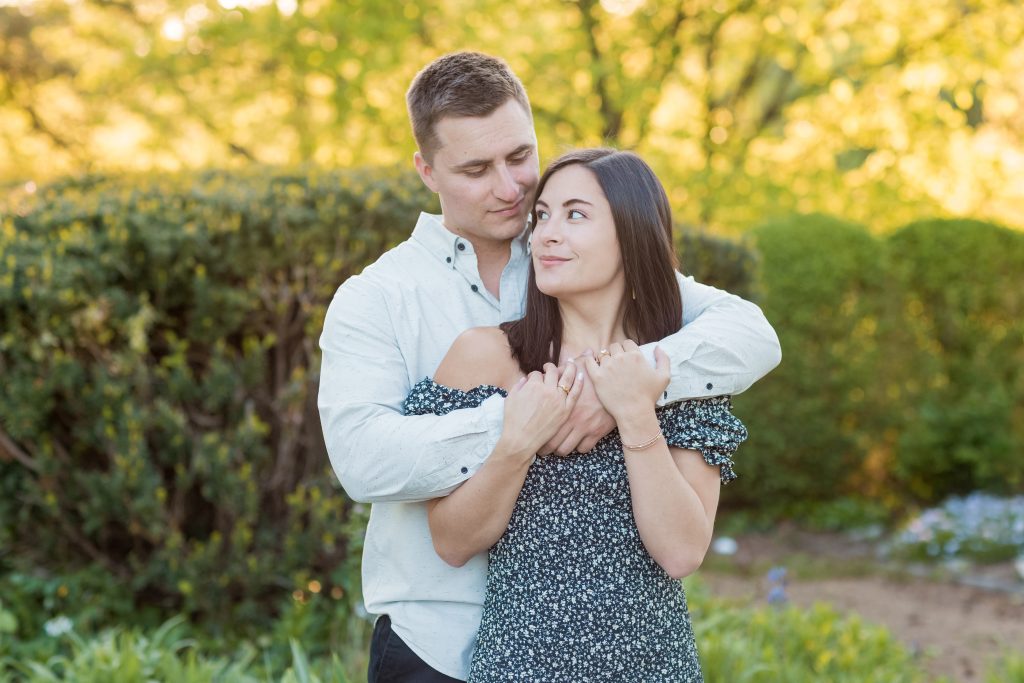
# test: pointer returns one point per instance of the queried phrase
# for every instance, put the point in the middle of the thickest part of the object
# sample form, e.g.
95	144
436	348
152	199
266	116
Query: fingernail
579	376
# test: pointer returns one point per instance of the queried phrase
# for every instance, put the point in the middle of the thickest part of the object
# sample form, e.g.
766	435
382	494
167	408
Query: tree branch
9	450
611	115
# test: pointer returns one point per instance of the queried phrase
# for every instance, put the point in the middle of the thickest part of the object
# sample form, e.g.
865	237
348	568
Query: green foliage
89	598
720	262
964	414
158	348
117	656
736	644
901	369
764	645
811	420
1010	669
747	109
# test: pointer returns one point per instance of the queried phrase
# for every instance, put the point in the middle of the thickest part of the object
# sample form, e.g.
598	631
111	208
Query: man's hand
588	423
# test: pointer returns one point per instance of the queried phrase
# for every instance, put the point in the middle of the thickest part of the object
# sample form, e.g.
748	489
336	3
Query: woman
585	552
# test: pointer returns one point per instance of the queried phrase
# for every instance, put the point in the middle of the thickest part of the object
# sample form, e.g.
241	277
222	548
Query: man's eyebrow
473	163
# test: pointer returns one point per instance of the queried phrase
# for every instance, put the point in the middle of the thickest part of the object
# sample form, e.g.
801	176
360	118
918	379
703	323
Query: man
390	327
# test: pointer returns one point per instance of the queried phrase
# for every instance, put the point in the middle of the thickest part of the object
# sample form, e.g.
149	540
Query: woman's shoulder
480	355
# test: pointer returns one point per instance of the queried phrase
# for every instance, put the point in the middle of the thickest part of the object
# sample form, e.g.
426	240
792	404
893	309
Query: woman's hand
537	406
625	382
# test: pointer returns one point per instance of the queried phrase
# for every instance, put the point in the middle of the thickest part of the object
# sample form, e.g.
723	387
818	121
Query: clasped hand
622	383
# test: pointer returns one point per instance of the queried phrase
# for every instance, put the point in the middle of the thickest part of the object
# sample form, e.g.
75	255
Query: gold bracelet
645	444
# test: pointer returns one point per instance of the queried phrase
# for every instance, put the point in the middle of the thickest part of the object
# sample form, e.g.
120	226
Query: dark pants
391	660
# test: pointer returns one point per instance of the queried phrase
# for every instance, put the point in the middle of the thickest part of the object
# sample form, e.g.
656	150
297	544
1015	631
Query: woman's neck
590	322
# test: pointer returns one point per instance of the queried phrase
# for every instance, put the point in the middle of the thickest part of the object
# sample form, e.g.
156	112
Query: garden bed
957	627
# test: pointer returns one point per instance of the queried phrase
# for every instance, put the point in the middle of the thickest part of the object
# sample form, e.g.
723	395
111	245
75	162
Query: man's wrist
514	453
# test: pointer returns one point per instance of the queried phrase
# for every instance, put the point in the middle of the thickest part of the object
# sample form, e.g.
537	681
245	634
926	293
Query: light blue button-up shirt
390	327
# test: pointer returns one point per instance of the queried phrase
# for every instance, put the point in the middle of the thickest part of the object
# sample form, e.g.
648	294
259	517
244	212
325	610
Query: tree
747	109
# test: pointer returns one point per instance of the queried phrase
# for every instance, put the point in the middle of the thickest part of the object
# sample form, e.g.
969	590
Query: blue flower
777	595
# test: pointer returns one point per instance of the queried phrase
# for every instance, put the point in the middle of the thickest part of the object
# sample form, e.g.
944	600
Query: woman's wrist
636	413
637	425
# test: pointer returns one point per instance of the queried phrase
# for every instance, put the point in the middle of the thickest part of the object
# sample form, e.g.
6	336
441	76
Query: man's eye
576	213
519	158
476	173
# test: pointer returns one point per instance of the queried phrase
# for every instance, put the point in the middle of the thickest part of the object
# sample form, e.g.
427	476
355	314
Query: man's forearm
381	455
725	346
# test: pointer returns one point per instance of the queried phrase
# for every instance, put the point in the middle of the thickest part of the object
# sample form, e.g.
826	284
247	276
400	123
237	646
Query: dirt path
956	629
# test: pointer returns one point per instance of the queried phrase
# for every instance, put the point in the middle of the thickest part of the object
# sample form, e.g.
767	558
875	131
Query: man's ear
425	170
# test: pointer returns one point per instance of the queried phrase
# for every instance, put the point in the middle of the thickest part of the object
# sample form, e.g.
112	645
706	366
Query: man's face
485	170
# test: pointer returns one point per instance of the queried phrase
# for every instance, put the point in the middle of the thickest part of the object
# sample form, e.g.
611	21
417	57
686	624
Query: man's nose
505	186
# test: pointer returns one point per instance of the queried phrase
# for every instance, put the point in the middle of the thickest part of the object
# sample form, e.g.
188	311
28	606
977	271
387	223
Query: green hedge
822	281
963	283
158	349
901	376
159	358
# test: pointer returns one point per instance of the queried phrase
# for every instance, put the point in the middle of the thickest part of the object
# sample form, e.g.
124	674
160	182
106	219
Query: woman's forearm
673	522
474	516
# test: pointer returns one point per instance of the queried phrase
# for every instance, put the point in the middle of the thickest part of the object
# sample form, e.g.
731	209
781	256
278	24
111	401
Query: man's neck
491	260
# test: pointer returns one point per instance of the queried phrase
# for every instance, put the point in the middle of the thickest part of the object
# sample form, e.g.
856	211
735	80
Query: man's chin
509	226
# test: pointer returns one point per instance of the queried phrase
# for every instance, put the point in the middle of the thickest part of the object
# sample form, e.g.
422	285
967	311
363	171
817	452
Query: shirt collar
449	247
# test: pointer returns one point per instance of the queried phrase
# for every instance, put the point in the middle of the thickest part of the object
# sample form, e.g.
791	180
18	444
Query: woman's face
575	248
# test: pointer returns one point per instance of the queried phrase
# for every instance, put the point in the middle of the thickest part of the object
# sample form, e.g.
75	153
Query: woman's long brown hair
643	225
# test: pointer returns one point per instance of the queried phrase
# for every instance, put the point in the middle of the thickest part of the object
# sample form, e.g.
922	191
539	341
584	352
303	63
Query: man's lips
511	210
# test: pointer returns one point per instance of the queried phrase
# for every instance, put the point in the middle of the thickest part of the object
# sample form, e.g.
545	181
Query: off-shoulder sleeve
705	425
429	397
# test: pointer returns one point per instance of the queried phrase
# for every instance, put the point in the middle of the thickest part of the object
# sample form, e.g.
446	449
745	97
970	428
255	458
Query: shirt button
461	246
464	470
475	289
448	259
709	386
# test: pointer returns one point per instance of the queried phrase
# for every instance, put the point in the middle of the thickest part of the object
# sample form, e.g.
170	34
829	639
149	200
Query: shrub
812	420
1009	669
719	262
963	419
765	644
158	344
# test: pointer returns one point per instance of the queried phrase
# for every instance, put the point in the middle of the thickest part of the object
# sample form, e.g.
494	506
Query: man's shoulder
404	263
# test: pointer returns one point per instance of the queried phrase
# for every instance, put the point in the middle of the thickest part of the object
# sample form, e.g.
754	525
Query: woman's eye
576	213
542	215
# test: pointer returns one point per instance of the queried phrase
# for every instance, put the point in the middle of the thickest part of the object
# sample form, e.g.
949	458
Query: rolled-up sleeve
378	453
725	344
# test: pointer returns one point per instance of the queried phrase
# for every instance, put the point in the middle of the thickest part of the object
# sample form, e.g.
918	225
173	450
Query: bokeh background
184	184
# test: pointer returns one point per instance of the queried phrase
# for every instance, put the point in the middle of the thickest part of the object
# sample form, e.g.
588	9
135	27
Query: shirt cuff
492	417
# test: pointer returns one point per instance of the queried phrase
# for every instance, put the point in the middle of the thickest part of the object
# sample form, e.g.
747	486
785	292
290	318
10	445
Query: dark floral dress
572	594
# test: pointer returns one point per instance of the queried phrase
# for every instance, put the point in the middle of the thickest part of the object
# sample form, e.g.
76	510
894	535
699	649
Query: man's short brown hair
459	84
